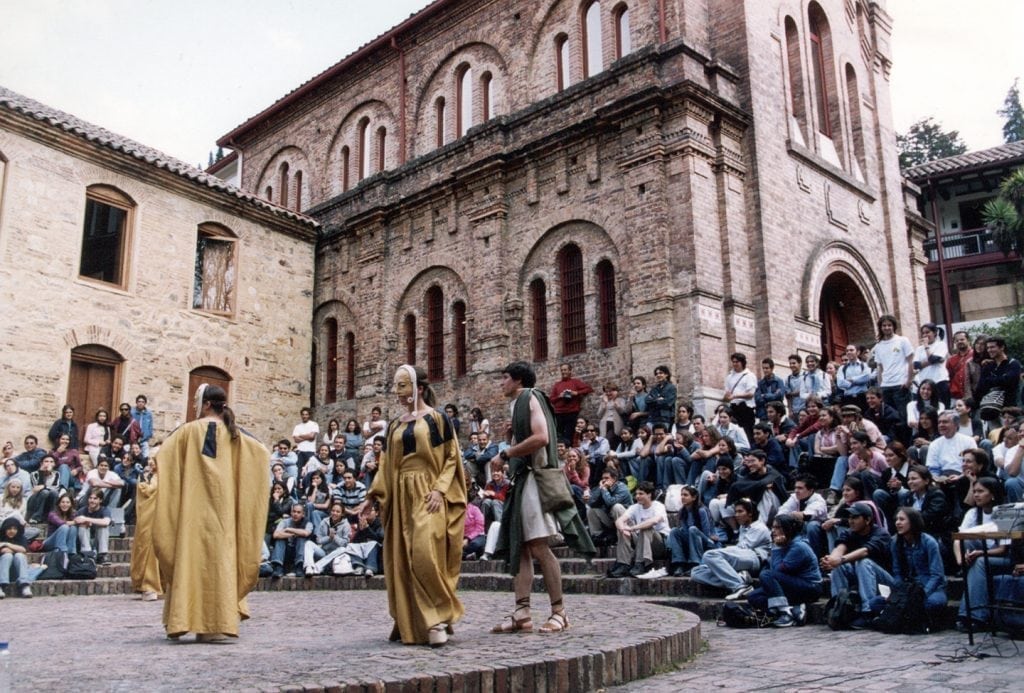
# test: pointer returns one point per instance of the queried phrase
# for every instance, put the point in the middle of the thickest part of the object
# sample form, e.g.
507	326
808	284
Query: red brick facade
693	164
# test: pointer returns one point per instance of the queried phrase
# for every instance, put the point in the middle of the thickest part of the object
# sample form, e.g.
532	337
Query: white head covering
198	400
412	377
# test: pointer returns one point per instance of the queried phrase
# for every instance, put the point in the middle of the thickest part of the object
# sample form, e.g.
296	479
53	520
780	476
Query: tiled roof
952	164
29	108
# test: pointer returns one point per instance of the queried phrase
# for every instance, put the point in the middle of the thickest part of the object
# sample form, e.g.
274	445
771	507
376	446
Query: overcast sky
178	74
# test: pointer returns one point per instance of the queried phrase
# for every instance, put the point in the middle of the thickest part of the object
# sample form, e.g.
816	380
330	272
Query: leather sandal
556	623
511	624
438	635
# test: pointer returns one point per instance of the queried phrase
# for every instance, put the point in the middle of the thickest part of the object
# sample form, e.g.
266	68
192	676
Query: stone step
115	557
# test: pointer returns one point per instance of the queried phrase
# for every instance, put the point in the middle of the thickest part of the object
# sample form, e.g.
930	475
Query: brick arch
378	113
551	19
481	57
297	160
212	357
411	299
340	311
96	334
842	258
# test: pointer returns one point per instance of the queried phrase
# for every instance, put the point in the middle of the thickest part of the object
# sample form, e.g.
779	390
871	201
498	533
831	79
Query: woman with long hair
825	534
97	436
318	497
61	530
354	442
280	504
577	471
478	422
333	429
694	534
45	487
988	493
793	576
69	464
926	430
927	397
916	556
930	360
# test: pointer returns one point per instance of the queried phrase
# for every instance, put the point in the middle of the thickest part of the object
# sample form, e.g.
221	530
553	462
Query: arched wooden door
845	316
210	376
93	381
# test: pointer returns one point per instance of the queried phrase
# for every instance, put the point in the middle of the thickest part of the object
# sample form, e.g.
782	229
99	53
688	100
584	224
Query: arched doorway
844	314
210	376
94	381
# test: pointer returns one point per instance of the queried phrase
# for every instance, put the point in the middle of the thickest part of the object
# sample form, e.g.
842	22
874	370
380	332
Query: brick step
115	557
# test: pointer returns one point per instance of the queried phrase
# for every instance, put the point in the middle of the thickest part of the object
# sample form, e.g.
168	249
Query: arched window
459	337
216	277
283	183
435	333
798	109
345	163
606	304
209	375
94	381
106	235
410	339
464	105
331	371
364	148
562	61
857	161
439	121
298	191
350	365
570	271
539	308
382	140
268	194
593	58
485	96
823	84
623	39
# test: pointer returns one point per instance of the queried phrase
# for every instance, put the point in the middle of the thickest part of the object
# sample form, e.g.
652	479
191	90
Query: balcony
962	244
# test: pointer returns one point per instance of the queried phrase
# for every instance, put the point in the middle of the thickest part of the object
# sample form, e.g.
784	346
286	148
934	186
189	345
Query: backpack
734	615
55	565
81	567
904	611
842	609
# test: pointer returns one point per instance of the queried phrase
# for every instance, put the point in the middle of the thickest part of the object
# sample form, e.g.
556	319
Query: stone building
616	184
125	271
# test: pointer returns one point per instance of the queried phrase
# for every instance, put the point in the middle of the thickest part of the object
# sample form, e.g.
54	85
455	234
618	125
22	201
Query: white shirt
636	513
306	429
891	357
744	381
935	372
944	453
816	507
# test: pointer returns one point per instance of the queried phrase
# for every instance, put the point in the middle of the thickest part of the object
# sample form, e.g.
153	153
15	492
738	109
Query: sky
177	75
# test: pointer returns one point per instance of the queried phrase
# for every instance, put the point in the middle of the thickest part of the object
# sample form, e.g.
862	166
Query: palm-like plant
1004	216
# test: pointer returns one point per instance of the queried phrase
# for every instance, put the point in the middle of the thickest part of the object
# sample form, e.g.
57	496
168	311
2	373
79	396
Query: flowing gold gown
422	551
145	571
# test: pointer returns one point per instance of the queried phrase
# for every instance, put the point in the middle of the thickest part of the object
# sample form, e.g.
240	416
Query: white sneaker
26	591
654	573
740	593
485	557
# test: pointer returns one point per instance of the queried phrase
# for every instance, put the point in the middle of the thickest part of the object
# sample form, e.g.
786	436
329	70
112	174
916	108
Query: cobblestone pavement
815	658
308	639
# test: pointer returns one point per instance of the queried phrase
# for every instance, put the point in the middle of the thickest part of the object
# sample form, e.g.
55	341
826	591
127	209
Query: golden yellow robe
422	551
145	570
211	511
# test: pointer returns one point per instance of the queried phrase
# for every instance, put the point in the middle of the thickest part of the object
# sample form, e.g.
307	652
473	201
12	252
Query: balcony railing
961	244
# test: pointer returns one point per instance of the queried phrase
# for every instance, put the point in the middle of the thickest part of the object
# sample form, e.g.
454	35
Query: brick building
614	184
125	271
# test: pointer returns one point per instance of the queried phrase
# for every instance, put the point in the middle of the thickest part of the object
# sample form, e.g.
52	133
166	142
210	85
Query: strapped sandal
511	624
556	623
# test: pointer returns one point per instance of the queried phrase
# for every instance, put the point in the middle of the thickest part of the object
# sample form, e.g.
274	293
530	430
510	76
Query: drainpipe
662	28
947	311
401	100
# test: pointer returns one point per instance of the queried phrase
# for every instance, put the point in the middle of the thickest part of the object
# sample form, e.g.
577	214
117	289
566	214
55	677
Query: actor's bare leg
552	572
520	619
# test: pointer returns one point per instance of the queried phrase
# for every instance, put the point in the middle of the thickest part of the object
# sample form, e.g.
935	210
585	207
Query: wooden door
92	383
834	334
210	376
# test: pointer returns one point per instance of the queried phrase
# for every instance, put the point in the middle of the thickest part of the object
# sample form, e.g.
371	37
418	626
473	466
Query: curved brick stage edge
337	640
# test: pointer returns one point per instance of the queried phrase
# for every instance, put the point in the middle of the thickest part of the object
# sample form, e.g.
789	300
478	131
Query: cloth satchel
553	489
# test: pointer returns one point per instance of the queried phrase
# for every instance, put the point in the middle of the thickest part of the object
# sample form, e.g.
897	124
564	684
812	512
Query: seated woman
893	480
354	442
330	540
822	536
705	459
865	461
924	495
280	505
45	487
830	446
988	493
694	534
923	434
62	531
927	398
318	497
916	556
473	537
14	558
13	502
69	464
968	421
337	474
715	484
279	474
577	471
792	578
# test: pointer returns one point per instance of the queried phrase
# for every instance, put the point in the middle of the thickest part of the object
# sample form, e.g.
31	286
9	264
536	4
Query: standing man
770	388
567	400
526	528
794	381
963	370
853	379
211	476
145	418
999	372
740	388
305	435
894	358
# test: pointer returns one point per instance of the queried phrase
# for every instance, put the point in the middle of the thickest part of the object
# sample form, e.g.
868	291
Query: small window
435	333
593	59
298	191
606	304
539	307
345	163
268	194
215	275
410	339
798	111
364	148
485	95
439	121
464	107
562	61
858	160
350	365
283	184
574	331
459	336
331	370
382	141
106	235
623	40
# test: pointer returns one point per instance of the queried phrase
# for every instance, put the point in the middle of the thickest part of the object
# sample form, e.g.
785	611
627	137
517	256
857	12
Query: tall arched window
823	85
623	39
439	121
539	308
410	339
345	163
435	333
268	194
382	141
606	304
464	105
857	161
107	233
298	191
364	148
350	365
593	58
459	337
562	61
485	96
215	274
283	183
798	109
570	270
331	369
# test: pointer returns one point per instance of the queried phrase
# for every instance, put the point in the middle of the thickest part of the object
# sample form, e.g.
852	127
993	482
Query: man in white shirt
944	453
642	530
893	356
740	388
305	435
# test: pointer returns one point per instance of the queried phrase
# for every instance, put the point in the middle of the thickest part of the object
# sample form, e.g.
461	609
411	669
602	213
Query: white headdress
412	377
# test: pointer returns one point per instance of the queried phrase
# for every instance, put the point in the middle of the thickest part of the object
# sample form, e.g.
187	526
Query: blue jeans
720	567
779	590
977	585
65	539
838	473
821	541
640	467
1014	489
687	545
280	552
14	566
867	574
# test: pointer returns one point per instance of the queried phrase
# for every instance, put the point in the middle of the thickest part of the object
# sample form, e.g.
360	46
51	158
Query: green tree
1004	216
926	141
1013	113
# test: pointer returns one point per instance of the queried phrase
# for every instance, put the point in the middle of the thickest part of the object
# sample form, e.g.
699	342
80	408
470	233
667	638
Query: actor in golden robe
145	571
211	511
421	489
